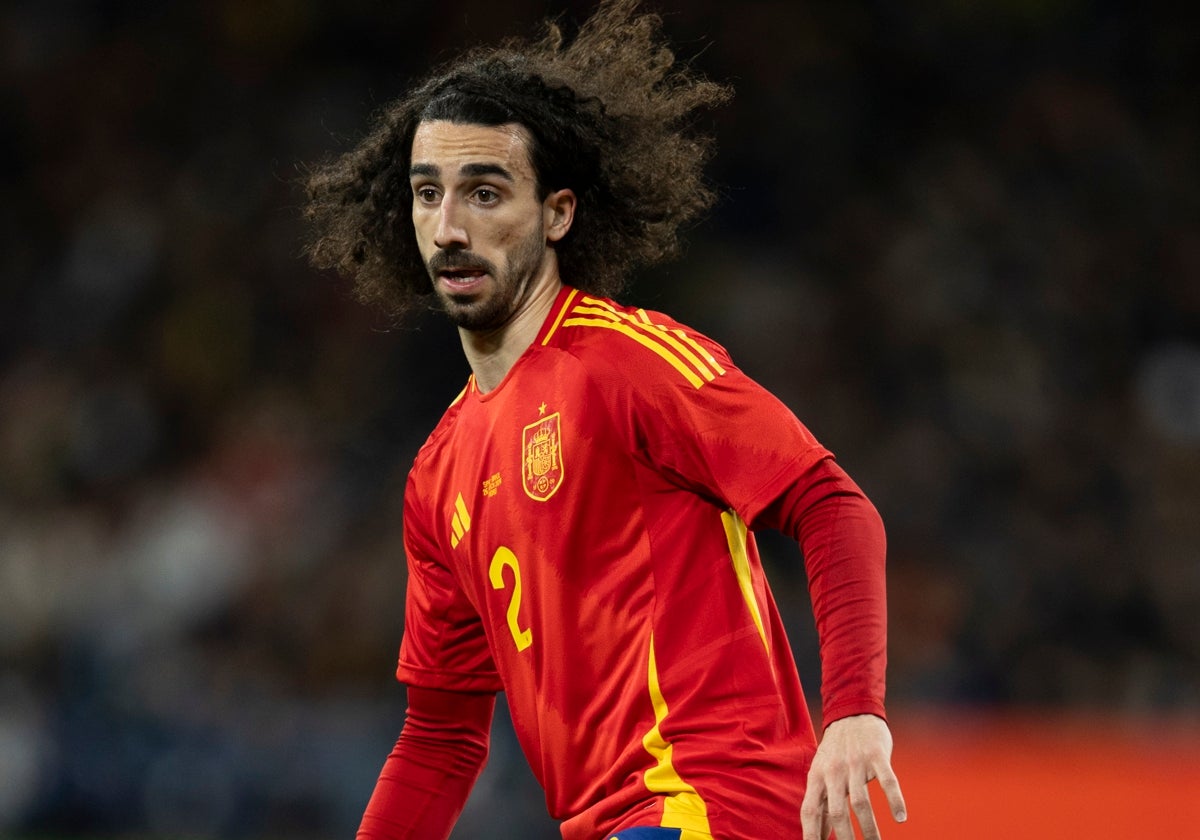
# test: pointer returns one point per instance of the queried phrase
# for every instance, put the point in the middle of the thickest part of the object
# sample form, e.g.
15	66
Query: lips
459	271
461	278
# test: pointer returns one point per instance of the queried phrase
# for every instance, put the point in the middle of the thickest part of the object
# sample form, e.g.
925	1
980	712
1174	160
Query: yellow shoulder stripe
642	339
461	394
558	318
676	347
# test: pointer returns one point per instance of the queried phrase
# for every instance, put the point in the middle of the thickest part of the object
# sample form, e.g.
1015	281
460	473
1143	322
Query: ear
558	210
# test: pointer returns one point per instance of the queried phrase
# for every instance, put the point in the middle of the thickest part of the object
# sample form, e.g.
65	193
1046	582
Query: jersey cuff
850	708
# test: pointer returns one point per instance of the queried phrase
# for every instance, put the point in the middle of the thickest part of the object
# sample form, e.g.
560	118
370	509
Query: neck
492	353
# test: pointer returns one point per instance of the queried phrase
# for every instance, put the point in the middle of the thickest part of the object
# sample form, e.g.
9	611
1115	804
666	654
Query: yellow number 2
504	557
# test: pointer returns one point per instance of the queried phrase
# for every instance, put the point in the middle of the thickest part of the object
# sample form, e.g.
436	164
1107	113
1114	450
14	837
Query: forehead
449	146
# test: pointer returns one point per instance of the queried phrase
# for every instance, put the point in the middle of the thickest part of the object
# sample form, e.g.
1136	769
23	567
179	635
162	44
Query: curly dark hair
610	117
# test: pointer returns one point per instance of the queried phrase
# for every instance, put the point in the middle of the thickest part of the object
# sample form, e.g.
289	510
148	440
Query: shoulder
443	428
637	342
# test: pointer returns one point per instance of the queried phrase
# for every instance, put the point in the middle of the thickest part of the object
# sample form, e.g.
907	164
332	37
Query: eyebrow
467	170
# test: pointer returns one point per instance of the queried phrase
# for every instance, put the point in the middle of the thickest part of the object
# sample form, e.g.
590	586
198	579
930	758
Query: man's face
480	225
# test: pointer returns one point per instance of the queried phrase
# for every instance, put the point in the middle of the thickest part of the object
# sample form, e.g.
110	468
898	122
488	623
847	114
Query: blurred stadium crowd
960	240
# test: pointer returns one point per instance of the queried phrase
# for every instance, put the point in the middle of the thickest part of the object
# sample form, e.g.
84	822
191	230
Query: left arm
844	547
427	778
705	436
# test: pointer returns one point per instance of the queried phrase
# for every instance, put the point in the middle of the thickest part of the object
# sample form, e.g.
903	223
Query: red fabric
576	536
430	772
842	537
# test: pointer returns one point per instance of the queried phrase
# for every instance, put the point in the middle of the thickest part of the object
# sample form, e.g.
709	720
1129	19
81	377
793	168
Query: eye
485	195
426	195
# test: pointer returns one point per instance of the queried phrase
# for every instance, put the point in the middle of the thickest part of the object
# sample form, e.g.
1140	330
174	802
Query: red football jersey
577	537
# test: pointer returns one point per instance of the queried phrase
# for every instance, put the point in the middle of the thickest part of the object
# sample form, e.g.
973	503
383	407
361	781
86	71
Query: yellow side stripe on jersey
607	310
735	535
640	338
683	807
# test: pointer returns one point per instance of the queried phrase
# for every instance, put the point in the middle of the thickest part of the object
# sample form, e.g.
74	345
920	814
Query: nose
450	231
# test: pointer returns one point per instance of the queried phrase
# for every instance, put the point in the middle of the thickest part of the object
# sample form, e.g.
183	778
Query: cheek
518	235
499	244
424	229
507	237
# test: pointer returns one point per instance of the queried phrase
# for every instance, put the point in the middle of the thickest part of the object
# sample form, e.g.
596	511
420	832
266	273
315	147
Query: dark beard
509	289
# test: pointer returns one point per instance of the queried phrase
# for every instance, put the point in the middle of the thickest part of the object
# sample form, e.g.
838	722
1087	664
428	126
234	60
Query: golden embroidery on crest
542	464
491	486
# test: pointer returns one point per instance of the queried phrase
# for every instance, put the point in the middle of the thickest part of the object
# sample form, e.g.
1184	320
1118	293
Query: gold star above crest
542	409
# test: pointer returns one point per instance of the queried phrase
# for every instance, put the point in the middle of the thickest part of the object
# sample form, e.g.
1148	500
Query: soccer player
579	524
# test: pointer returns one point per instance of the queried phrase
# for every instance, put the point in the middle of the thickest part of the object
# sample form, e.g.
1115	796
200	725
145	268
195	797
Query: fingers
822	814
814	818
860	803
839	817
812	811
828	805
853	752
890	786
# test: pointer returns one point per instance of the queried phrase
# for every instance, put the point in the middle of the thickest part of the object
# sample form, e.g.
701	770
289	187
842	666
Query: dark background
960	240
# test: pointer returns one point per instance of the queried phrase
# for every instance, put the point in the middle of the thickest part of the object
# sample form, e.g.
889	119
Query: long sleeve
427	778
842	537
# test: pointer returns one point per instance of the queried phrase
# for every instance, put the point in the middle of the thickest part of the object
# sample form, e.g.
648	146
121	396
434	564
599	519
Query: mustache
456	259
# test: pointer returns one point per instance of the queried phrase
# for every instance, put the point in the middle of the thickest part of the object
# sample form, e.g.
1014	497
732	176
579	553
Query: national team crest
542	468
